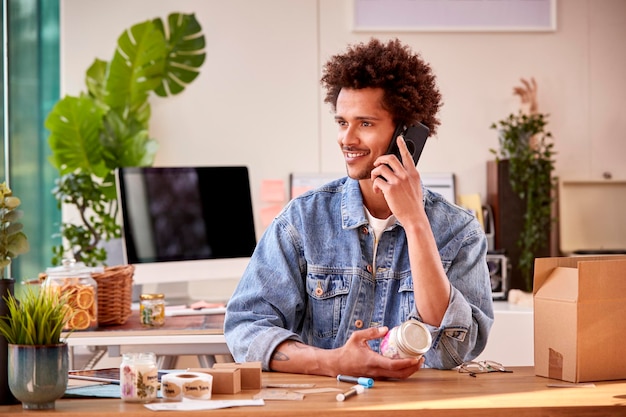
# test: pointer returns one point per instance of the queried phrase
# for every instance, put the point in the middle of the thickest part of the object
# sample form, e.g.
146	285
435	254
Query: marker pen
366	382
354	390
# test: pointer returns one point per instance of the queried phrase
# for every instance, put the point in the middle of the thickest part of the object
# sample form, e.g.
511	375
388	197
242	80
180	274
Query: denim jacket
310	279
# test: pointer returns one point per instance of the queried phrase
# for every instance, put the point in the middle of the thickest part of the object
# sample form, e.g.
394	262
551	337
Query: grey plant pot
38	375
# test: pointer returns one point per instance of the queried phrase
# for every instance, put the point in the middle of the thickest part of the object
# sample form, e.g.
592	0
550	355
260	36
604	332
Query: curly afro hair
411	94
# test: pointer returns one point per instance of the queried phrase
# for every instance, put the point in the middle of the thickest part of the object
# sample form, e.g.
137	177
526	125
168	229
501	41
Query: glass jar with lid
74	279
139	379
411	339
152	310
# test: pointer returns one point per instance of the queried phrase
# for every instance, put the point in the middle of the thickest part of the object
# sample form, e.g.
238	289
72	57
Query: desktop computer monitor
182	224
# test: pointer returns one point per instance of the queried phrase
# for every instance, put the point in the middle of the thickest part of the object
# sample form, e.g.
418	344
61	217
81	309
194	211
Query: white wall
257	101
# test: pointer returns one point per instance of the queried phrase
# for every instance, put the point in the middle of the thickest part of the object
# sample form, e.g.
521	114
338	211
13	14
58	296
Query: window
30	88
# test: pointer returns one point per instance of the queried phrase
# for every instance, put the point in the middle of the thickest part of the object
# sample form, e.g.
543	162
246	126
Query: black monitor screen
185	213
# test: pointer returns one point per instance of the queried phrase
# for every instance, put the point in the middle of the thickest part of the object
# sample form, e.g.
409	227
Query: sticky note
269	213
272	191
472	202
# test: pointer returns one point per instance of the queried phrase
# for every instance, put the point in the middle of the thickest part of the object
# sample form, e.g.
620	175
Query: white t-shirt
379	226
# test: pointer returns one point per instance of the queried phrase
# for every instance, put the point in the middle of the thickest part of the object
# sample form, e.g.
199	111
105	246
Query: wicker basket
114	294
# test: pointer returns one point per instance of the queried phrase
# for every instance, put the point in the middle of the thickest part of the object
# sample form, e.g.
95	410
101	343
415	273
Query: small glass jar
152	310
139	377
411	339
73	279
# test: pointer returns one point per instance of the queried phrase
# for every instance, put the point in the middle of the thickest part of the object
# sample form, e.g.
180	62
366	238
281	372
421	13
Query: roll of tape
192	385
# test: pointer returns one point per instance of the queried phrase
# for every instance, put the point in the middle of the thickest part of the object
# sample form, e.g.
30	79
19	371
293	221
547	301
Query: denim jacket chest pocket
328	295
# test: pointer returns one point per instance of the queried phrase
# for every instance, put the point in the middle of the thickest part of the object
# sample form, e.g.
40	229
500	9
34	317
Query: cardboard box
225	380
250	373
580	318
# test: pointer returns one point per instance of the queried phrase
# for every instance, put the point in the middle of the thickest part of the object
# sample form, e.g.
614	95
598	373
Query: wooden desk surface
428	393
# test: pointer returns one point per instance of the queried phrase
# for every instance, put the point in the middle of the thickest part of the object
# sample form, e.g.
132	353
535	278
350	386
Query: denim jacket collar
352	212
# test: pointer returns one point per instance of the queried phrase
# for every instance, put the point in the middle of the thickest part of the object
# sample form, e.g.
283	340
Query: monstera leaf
185	53
75	124
94	79
137	66
126	141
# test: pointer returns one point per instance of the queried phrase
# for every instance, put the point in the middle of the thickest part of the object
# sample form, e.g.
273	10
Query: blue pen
366	382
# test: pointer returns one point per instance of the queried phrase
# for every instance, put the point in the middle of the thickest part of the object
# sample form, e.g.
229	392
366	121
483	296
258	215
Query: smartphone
415	137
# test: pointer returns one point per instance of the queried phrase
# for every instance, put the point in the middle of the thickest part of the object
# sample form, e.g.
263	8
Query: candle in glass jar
411	339
152	310
139	377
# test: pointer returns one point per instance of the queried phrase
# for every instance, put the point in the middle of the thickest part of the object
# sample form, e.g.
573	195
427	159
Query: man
343	264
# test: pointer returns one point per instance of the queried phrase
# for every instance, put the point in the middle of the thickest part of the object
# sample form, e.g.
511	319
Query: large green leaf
95	78
137	66
126	142
74	124
140	150
185	52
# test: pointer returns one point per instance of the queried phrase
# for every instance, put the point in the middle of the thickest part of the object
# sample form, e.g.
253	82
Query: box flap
561	284
602	280
545	266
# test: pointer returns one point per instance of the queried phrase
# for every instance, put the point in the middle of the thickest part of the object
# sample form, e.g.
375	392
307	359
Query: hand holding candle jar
411	339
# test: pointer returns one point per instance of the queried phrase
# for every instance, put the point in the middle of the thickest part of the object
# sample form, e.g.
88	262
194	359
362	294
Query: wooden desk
428	393
200	335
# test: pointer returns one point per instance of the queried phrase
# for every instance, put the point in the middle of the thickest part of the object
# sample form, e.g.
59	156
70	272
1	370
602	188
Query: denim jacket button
319	291
358	324
364	230
369	268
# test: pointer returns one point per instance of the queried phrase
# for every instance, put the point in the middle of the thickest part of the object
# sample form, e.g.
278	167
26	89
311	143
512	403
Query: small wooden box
225	380
250	373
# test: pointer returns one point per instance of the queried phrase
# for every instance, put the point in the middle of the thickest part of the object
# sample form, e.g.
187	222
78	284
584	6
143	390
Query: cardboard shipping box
580	318
225	380
250	373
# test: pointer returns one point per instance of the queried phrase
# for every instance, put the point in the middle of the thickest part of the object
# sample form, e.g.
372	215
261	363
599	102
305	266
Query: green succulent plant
107	127
13	241
37	318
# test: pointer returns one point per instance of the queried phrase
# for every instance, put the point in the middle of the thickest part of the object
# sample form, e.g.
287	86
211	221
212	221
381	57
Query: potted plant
526	145
37	356
106	127
13	242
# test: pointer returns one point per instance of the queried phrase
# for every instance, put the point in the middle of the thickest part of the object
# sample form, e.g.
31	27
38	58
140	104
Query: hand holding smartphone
415	138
